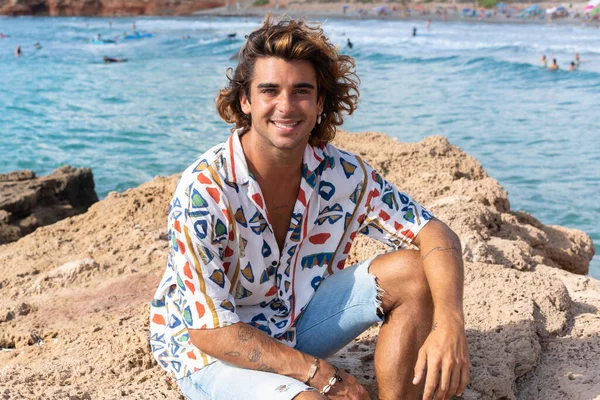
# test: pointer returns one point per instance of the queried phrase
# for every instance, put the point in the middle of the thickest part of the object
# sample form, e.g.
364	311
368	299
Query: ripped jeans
346	304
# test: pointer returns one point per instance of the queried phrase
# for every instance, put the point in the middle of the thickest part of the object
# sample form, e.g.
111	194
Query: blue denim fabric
344	306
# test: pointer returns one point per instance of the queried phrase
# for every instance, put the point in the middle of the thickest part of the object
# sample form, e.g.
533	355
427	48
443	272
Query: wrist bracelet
334	379
312	371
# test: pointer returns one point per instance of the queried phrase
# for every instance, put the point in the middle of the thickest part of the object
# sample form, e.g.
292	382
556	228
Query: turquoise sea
480	85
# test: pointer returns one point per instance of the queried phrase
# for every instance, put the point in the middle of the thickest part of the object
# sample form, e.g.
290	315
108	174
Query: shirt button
274	263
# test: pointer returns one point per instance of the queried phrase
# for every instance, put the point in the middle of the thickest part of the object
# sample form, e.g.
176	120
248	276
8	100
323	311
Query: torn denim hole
379	296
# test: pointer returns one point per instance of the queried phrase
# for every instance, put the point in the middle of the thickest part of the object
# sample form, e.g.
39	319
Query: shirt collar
237	168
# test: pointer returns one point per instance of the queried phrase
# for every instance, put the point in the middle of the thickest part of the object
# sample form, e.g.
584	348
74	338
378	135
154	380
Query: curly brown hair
293	40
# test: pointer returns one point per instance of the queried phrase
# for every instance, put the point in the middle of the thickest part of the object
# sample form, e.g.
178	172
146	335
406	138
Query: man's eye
302	91
268	91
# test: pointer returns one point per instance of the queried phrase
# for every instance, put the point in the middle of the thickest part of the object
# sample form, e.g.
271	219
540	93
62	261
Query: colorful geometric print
225	265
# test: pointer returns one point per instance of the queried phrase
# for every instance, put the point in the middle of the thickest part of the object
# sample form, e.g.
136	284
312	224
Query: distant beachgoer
414	31
18	51
428	24
231	35
134	29
99	37
554	65
572	67
350	44
3	35
37	46
577	59
110	24
544	61
109	60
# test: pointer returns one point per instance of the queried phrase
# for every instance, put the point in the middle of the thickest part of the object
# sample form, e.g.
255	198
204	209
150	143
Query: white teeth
285	125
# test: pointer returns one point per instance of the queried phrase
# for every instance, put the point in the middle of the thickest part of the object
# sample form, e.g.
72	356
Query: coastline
323	11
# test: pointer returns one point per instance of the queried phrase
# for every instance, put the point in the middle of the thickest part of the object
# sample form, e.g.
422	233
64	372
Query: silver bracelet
334	379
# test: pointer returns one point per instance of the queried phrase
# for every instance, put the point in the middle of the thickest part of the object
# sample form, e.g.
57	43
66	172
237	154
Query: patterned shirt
224	264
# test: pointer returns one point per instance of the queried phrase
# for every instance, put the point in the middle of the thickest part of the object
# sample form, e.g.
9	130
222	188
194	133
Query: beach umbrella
502	4
551	10
588	8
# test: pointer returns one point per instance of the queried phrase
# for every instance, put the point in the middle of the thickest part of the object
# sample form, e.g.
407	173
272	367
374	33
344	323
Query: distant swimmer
37	46
577	60
573	66
414	31
3	35
428	24
231	35
18	51
109	60
544	61
554	65
350	44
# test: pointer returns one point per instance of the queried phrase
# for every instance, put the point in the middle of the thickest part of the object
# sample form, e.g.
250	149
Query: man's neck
269	164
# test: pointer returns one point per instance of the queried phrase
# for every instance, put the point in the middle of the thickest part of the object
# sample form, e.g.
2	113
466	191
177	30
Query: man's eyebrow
302	85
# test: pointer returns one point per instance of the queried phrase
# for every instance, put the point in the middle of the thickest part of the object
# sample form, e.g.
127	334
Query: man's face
284	102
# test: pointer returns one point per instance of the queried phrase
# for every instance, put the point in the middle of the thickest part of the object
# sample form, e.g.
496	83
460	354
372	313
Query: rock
104	7
28	202
532	325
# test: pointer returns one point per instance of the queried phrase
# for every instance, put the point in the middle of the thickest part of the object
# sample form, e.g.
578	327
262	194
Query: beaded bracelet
334	379
312	371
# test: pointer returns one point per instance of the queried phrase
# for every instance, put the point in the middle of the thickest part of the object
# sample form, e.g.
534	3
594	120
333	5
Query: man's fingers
454	382
432	379
446	377
420	368
464	378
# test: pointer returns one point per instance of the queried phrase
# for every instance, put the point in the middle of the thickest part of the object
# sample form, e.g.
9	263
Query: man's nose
285	102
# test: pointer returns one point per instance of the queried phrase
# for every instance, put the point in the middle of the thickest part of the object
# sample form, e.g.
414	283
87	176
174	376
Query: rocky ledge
74	296
107	8
28	202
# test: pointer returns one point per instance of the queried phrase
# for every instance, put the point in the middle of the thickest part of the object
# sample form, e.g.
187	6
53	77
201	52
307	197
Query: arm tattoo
434	327
245	333
232	354
266	368
438	249
254	355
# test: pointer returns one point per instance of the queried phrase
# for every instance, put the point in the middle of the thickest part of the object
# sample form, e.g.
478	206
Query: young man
256	293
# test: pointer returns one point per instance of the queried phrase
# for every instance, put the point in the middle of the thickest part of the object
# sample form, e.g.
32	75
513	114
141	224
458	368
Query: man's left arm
444	357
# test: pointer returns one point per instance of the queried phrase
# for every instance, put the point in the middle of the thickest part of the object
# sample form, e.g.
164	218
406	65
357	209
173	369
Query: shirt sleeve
198	234
391	216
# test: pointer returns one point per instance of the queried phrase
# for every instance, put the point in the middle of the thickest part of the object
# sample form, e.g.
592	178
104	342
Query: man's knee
310	395
402	280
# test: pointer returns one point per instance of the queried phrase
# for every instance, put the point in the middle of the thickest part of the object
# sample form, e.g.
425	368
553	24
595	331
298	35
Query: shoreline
320	11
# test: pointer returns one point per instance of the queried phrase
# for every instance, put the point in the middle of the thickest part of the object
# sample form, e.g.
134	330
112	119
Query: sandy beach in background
420	12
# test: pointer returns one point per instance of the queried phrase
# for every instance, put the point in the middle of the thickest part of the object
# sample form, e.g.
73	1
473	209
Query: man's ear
244	102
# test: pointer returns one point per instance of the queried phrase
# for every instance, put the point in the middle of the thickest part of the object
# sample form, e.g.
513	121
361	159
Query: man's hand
348	388
444	361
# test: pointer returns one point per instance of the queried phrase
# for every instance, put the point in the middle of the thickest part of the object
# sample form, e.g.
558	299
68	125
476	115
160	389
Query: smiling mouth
286	125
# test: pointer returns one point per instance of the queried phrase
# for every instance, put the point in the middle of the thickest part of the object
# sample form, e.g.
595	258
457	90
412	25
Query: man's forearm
442	262
247	347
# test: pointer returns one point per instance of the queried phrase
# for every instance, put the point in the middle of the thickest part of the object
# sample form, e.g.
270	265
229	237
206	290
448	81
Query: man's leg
408	308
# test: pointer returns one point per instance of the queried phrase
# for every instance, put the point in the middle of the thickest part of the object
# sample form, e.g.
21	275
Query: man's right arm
244	346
